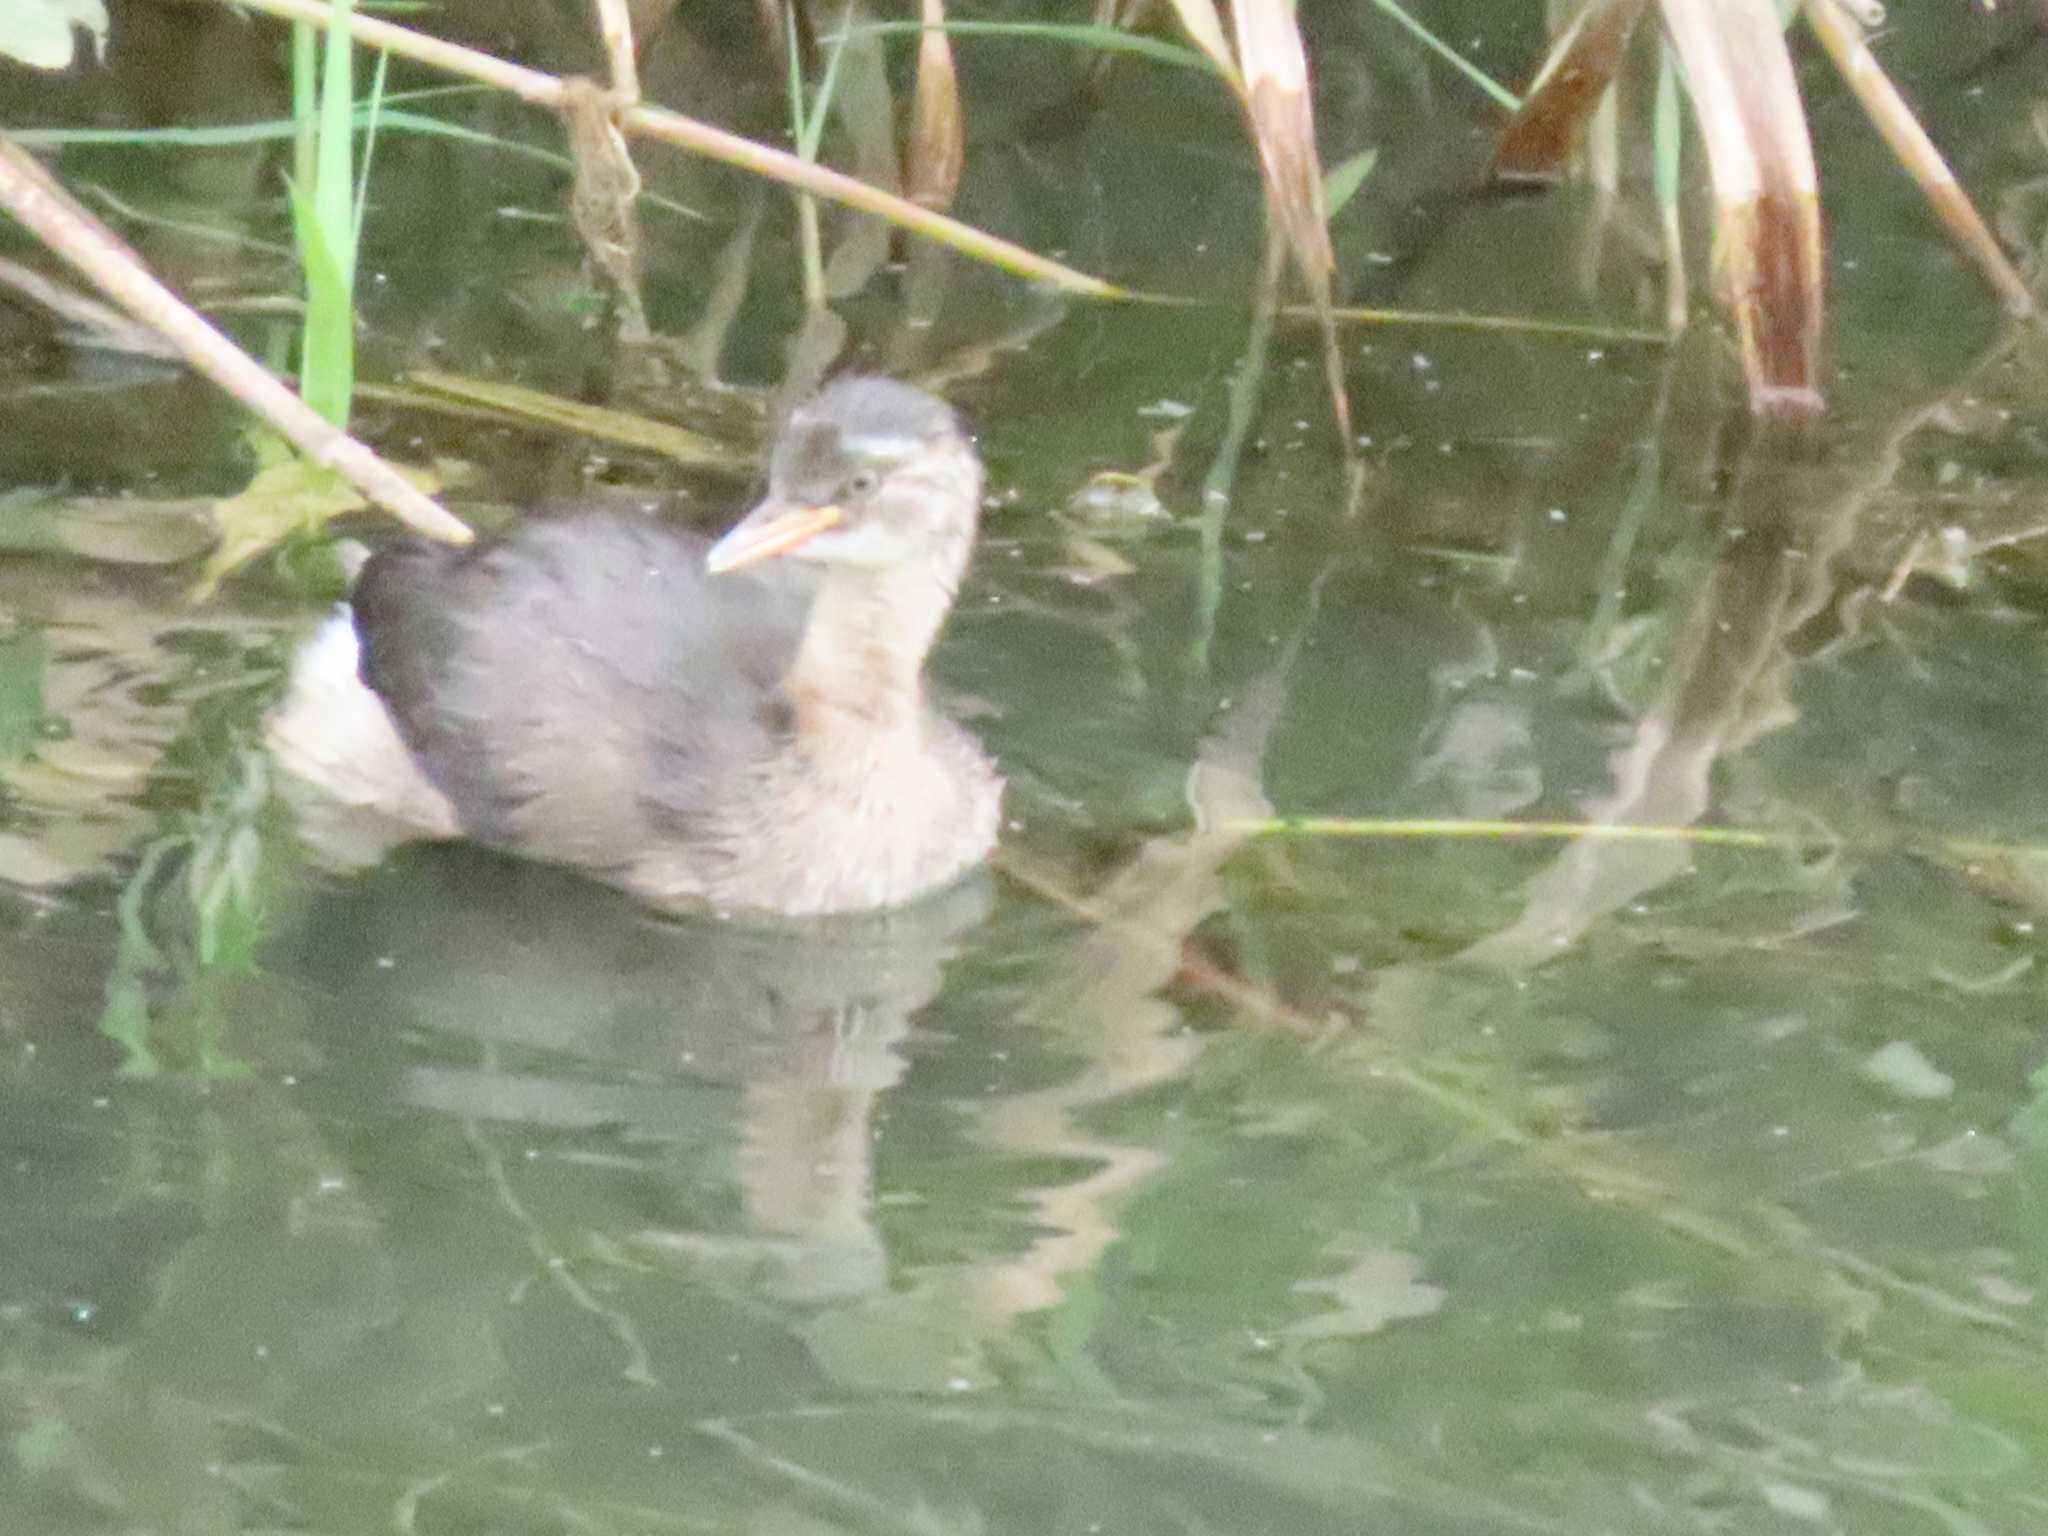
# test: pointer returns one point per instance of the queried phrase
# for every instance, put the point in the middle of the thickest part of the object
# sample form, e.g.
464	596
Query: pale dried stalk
32	196
1767	246
937	137
1275	66
1199	19
1909	142
615	30
544	90
604	200
1269	73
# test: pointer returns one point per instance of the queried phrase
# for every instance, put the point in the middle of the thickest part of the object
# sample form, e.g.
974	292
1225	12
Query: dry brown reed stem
544	90
1537	143
1767	245
32	196
938	140
1843	39
1204	24
615	31
1275	71
604	198
1268	72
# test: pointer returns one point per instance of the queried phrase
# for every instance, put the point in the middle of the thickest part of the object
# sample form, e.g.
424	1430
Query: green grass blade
375	110
334	186
1343	180
326	220
216	135
821	104
305	98
327	349
1450	55
1669	133
389	120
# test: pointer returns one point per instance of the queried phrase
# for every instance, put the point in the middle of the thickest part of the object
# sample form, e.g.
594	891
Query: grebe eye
863	482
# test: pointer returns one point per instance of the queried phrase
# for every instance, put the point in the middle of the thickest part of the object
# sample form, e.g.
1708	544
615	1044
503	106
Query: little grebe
631	701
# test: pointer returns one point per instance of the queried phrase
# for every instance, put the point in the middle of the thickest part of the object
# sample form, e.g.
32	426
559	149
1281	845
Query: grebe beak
771	529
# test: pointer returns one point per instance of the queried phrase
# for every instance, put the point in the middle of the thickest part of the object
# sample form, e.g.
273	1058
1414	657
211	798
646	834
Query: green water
1172	1177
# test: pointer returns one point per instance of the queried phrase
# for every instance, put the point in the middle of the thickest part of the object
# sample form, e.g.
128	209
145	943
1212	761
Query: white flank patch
336	737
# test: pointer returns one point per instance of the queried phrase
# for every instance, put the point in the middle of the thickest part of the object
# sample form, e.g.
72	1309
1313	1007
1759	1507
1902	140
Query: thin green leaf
390	120
1450	55
327	352
821	104
258	131
305	101
1342	181
334	186
375	106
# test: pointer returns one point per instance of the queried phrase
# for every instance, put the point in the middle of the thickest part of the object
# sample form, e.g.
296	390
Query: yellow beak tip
764	534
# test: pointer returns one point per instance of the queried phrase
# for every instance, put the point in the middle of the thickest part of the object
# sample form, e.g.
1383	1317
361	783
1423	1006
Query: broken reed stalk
604	203
1914	150
615	31
545	91
937	151
1767	242
1537	143
1268	73
33	197
1274	69
604	200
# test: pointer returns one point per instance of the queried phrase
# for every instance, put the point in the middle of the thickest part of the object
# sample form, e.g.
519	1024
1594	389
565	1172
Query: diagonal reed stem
545	90
32	196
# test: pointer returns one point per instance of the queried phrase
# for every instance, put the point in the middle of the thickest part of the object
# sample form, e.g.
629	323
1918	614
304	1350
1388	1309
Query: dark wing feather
584	688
